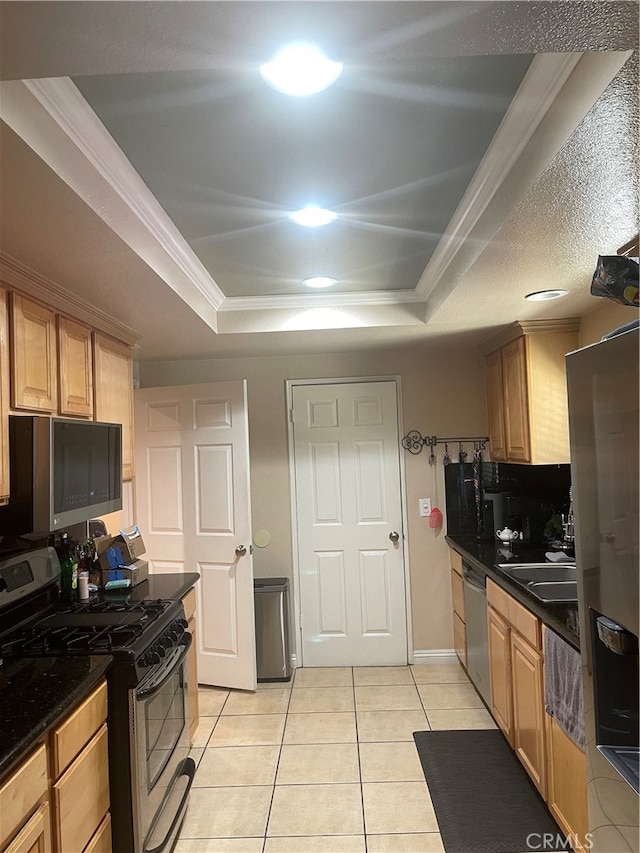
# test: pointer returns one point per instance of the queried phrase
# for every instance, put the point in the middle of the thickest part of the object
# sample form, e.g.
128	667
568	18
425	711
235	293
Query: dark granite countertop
484	556
36	694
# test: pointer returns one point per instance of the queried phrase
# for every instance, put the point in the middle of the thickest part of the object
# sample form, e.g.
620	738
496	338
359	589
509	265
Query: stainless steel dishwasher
475	614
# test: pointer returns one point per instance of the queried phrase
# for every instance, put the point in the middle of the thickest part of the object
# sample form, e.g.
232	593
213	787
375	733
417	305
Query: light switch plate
425	506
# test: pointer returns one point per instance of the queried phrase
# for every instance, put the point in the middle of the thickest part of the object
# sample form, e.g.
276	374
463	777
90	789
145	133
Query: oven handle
188	769
150	687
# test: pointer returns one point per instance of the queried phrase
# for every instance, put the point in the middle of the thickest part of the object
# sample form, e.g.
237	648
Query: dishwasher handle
474	577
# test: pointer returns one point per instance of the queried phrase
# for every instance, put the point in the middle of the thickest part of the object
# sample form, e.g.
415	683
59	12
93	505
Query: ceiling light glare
319	281
313	217
300	69
545	295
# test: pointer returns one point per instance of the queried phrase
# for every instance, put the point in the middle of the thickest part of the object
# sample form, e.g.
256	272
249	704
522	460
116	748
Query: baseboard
420	656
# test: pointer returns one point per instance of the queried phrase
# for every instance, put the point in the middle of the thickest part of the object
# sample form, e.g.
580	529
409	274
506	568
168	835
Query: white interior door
351	566
193	508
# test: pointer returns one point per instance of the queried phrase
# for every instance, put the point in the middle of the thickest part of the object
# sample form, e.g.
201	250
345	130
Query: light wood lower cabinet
516	677
35	836
528	710
566	783
79	764
57	800
555	764
22	793
189	604
81	796
457	603
499	635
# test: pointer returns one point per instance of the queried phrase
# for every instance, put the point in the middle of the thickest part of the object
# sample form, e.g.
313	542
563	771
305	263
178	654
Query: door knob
394	536
241	551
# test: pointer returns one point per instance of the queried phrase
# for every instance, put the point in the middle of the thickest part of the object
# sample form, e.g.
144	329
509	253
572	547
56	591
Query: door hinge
291	420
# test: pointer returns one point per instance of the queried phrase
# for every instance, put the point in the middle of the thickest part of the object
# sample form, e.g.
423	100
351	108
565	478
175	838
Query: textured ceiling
227	162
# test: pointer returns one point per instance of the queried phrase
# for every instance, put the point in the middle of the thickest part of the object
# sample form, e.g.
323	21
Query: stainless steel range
149	766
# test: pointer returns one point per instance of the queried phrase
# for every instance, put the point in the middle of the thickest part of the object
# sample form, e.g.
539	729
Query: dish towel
563	686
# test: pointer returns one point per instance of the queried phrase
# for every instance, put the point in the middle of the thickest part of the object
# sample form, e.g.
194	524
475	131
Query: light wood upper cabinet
113	372
34	370
4	396
495	405
527	393
75	369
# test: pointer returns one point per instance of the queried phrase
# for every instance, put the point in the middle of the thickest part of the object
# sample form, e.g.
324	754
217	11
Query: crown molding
55	120
18	276
527	327
540	86
320	300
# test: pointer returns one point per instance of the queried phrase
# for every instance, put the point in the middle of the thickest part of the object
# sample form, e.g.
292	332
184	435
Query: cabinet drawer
20	793
526	624
101	841
456	561
457	594
520	619
81	796
189	604
79	727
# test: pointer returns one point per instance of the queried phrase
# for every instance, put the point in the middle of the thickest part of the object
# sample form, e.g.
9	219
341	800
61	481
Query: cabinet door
566	781
114	392
500	672
495	406
35	836
34	369
75	369
528	710
4	396
516	404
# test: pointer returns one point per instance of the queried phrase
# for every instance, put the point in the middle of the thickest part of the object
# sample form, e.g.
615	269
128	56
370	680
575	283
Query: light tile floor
324	764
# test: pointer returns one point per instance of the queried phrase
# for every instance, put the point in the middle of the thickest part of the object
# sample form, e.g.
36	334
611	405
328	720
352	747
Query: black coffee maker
492	515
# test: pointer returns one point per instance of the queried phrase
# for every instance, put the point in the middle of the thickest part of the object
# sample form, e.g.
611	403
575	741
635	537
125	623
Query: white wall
442	394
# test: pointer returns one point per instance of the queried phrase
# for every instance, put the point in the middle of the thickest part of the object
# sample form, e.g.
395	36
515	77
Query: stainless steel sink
548	582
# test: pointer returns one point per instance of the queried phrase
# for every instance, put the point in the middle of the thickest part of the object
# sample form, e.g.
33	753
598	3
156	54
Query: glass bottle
68	570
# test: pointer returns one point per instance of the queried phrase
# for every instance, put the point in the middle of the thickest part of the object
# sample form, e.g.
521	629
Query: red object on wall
435	519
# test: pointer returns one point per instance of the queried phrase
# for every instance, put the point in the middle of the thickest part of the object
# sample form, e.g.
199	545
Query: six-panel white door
193	509
348	506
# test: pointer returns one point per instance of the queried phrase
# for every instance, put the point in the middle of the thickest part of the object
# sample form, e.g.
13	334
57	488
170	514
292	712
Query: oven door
164	771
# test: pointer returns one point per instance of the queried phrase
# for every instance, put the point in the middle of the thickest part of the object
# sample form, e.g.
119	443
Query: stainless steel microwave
63	471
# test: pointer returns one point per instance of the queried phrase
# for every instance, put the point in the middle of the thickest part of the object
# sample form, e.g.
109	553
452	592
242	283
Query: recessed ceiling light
300	69
313	216
319	281
544	295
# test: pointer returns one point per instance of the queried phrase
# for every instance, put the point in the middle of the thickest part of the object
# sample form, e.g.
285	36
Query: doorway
349	552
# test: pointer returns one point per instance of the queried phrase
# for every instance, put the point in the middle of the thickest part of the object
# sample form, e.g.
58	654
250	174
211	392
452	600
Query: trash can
271	598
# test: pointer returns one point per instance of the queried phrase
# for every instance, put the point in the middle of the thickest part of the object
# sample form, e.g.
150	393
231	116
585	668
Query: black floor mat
483	799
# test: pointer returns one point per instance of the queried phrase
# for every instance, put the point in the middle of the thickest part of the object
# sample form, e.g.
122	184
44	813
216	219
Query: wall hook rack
413	441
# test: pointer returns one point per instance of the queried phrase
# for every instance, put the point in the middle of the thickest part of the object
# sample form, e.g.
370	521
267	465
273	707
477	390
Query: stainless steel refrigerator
603	420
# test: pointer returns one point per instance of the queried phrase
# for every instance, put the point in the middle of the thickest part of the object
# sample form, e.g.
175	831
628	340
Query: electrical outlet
425	506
